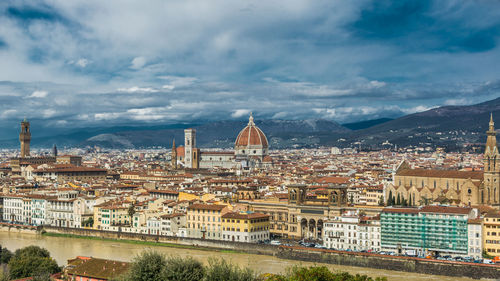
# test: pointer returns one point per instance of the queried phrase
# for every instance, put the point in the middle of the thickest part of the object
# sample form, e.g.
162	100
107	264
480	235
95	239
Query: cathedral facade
251	150
422	186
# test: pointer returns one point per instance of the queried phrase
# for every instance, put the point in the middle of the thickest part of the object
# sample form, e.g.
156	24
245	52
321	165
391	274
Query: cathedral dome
251	136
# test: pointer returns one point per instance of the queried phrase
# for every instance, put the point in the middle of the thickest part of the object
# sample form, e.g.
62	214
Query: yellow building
245	227
107	215
204	220
491	234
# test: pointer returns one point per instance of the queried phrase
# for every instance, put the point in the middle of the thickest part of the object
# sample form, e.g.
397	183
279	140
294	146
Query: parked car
275	242
488	261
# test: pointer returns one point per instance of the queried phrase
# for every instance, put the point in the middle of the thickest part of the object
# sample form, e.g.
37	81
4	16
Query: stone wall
261	249
17	229
408	264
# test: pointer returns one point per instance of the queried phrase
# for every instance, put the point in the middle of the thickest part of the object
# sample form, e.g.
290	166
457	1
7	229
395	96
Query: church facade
465	188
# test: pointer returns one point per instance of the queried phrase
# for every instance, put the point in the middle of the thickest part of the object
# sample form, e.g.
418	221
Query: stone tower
491	193
173	161
25	138
190	151
54	150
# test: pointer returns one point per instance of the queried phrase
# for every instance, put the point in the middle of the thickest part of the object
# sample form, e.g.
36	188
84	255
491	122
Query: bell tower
190	151
174	156
491	167
25	138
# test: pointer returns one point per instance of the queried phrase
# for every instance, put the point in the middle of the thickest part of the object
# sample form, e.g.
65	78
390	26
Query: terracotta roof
243	216
251	135
478	175
445	209
400	210
96	268
206	207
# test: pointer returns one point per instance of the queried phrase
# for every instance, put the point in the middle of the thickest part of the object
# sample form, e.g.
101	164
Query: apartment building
245	227
204	220
491	233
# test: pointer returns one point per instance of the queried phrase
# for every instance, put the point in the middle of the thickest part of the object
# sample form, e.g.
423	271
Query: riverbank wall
259	249
7	227
396	263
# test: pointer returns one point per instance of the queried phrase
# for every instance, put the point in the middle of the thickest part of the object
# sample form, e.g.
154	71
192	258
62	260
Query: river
63	249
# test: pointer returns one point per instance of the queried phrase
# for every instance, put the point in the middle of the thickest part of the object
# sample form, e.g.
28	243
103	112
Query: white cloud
240	113
136	89
82	62
47	113
168	87
418	108
39	94
138	62
9	113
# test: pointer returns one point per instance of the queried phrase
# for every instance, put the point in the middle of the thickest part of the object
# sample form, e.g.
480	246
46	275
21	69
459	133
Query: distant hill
366	124
448	126
444	126
222	134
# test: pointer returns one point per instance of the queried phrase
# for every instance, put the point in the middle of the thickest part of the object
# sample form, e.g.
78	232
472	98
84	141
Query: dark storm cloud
85	63
423	25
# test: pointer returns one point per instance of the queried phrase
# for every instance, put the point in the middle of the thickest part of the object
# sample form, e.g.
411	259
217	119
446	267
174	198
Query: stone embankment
398	263
407	264
15	228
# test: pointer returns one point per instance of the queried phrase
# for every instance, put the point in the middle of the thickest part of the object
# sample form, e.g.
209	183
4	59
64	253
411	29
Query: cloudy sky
92	62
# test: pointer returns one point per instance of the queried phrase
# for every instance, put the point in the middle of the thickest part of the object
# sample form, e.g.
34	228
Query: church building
250	151
422	186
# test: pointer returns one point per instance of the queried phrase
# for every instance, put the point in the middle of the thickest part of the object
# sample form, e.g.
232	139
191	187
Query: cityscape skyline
87	63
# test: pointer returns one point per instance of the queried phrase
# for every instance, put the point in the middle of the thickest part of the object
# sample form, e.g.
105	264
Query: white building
13	209
172	223
475	238
352	232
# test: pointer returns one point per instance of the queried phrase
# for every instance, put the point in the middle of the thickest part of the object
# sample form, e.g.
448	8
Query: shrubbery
32	261
153	266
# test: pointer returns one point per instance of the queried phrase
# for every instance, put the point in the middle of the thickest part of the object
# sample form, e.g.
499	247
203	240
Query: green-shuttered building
440	229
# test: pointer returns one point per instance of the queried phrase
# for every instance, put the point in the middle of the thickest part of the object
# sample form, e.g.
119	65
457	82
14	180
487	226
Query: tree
131	212
147	266
220	269
32	261
319	273
409	201
183	269
381	201
389	199
89	222
398	201
424	201
5	255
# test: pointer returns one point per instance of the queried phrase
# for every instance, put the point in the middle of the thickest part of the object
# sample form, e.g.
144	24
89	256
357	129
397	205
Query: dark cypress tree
398	200
389	199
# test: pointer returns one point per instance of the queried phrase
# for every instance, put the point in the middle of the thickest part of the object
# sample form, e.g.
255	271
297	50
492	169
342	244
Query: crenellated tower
491	193
25	138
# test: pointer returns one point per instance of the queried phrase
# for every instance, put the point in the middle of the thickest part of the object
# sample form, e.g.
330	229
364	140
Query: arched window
434	184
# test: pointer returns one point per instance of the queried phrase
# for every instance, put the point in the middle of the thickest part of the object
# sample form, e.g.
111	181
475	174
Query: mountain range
447	126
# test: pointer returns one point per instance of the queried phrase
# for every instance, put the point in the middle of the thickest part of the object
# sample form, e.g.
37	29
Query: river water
63	249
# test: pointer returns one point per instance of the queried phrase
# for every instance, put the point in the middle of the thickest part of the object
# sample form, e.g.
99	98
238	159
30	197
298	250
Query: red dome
251	135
